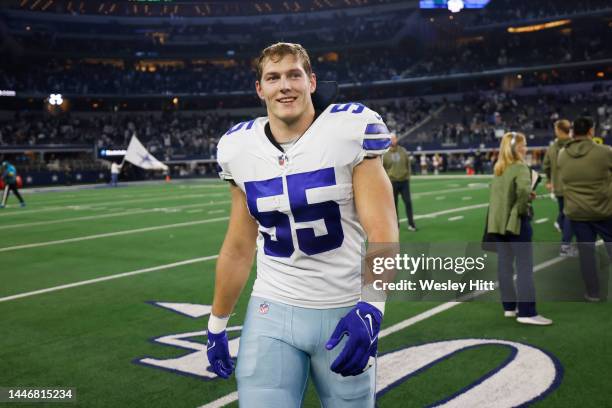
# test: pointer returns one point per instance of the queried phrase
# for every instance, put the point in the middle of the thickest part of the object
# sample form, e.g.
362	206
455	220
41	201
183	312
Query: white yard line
541	220
117	214
466	198
107	278
109	203
112	193
440	198
111	234
452	210
418	318
452	177
173	226
186	224
452	190
223	401
457	218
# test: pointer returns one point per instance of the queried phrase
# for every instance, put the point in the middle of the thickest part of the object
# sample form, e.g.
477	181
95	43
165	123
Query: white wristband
379	305
374	297
217	324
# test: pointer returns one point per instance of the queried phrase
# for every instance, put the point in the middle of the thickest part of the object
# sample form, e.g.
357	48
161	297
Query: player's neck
285	132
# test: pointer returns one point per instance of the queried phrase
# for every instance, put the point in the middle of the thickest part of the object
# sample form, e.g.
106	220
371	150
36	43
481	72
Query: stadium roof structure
189	8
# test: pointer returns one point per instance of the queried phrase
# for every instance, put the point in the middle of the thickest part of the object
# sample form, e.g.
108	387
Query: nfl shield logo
282	159
264	308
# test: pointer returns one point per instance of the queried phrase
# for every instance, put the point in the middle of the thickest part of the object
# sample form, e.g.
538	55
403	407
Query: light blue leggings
281	345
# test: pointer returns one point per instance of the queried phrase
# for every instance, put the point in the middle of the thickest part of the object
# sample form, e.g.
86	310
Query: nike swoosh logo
369	317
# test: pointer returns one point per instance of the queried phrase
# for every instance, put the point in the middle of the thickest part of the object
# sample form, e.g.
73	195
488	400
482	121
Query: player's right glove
217	350
362	325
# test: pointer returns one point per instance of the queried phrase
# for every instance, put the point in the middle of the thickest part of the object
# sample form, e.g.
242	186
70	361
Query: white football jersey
310	238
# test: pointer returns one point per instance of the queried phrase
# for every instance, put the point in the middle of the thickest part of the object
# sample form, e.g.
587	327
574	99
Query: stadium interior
179	74
79	78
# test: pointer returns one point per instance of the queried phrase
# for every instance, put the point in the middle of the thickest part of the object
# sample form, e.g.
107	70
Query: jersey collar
271	138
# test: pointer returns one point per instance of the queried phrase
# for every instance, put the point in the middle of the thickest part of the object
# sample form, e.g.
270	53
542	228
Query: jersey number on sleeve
297	184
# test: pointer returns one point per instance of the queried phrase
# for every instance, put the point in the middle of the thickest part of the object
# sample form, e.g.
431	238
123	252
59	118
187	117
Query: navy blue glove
361	325
217	350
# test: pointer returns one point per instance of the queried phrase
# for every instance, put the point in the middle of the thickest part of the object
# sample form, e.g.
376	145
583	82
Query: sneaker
1	205
22	205
568	251
593	299
412	228
510	313
535	320
557	227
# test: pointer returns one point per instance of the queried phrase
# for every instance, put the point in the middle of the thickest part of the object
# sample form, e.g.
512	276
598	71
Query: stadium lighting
538	27
56	99
455	6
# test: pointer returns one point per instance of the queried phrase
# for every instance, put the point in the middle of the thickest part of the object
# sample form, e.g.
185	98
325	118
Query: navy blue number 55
297	185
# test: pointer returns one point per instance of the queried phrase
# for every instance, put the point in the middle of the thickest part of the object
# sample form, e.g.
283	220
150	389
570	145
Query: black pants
7	189
586	235
517	249
564	223
403	188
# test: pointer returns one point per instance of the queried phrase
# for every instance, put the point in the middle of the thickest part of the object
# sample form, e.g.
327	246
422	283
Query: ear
313	83
259	90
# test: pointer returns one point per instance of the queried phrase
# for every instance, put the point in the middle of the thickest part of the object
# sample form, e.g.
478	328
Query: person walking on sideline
9	177
585	169
397	165
554	184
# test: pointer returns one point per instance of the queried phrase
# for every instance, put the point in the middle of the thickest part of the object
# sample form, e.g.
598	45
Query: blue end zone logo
528	375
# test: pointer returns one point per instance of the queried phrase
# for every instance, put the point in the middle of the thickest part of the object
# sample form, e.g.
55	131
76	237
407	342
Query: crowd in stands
167	135
514	51
504	11
482	118
476	119
213	40
351	67
163	134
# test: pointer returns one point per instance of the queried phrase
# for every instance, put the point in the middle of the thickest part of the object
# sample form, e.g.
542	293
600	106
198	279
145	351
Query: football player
309	188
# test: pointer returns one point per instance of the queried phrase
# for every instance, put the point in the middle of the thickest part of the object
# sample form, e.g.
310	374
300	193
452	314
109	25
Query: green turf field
81	271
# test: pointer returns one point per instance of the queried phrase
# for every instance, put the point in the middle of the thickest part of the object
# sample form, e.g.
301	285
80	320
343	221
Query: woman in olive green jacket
509	220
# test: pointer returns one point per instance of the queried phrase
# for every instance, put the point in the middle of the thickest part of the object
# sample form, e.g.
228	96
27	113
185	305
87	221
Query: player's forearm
232	273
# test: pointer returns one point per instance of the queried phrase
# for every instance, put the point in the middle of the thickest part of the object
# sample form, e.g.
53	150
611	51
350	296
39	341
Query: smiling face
286	88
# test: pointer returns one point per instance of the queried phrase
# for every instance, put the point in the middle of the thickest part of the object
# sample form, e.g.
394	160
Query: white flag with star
138	155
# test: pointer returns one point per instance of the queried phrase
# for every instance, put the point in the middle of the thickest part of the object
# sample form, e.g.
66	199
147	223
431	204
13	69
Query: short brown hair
277	51
582	125
563	125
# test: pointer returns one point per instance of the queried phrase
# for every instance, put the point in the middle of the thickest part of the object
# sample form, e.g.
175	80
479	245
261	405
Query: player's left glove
217	350
361	325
